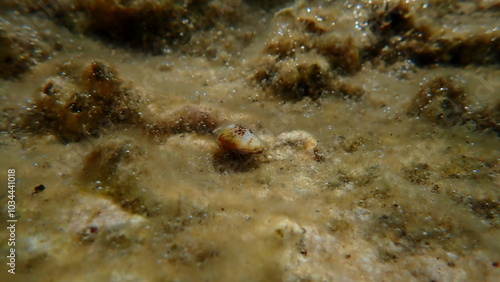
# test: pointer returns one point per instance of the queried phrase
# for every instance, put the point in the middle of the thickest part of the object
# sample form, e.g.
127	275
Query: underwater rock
487	119
296	32
304	53
306	75
440	101
391	33
144	25
22	47
75	109
348	90
153	26
295	145
404	31
111	169
101	214
229	162
182	119
443	103
193	119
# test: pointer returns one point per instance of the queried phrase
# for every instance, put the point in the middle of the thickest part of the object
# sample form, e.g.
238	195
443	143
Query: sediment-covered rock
23	46
81	104
444	103
181	119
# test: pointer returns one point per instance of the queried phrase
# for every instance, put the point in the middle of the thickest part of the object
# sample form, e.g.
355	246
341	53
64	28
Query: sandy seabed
381	122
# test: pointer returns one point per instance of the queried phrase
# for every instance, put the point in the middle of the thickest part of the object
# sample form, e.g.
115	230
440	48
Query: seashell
239	139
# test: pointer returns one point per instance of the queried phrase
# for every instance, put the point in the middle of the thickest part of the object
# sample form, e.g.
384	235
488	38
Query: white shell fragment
239	139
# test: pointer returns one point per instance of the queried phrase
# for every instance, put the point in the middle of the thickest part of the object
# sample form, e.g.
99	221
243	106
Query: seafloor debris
38	189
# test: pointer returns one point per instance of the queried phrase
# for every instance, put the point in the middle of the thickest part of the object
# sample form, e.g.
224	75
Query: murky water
380	121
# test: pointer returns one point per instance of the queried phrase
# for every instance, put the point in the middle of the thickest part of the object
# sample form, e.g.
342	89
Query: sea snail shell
239	139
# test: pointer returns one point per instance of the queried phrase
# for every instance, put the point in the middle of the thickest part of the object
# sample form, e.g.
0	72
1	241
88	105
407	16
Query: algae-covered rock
22	47
74	109
444	103
295	78
153	26
440	101
297	145
111	170
181	119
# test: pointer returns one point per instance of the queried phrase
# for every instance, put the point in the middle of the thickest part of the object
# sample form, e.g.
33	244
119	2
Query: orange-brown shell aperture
239	139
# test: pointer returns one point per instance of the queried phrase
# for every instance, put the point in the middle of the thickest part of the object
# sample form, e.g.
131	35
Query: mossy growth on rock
402	32
295	78
21	48
149	26
442	102
189	118
74	108
110	169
